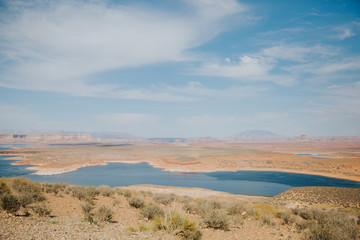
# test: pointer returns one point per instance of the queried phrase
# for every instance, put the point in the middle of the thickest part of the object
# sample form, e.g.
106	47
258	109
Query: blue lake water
123	174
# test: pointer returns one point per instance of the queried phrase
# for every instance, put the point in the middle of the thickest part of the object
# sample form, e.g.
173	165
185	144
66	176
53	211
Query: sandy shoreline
47	171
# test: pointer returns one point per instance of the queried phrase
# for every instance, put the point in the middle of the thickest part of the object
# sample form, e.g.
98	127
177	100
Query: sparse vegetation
105	191
150	211
84	193
328	225
217	219
178	225
165	199
136	202
10	203
41	210
104	214
314	223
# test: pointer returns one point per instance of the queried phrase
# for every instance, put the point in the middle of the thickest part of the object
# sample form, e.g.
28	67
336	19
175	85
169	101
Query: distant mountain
257	134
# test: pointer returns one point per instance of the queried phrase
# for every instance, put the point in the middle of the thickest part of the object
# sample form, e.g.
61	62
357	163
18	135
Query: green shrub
10	203
41	210
104	214
150	211
217	219
136	202
165	199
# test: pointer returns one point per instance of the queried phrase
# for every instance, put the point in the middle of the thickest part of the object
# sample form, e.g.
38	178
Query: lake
124	174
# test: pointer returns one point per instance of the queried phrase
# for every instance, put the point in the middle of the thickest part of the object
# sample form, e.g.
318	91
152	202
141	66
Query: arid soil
66	220
341	160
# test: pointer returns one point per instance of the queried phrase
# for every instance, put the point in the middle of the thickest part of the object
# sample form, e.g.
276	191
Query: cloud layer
58	45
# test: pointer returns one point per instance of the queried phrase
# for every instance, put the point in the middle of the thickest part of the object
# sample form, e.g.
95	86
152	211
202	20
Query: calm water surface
123	174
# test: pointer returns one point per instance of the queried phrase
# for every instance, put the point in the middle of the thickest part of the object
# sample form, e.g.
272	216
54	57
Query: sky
181	68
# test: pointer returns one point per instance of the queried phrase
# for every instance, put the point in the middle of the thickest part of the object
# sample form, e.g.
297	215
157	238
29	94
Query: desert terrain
31	210
333	159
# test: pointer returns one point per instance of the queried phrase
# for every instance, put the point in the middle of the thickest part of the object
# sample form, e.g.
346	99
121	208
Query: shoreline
48	171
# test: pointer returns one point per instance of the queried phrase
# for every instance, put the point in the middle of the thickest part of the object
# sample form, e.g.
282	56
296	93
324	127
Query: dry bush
165	199
268	219
150	211
10	203
41	210
4	188
177	225
84	193
124	192
285	216
28	192
202	207
55	188
334	226
104	190
136	202
104	214
217	219
236	208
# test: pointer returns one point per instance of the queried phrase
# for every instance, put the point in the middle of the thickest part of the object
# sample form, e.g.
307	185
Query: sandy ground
339	160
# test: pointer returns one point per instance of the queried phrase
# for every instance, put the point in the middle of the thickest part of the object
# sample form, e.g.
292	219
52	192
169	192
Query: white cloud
298	53
247	68
343	33
57	45
328	67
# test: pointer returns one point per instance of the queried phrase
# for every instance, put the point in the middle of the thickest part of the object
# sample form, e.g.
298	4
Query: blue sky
181	68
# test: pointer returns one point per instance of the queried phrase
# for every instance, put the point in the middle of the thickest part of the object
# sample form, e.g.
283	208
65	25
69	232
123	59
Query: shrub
267	219
327	225
24	185
236	208
104	190
136	202
165	199
178	225
41	210
189	230
334	226
150	211
10	203
4	188
27	191
104	214
87	207
84	193
217	219
125	192
285	216
202	207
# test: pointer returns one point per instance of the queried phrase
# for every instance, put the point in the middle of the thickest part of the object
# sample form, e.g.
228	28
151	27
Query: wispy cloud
247	68
298	53
57	45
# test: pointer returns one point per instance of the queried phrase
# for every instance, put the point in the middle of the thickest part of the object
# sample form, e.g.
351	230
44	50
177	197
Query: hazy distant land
328	156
